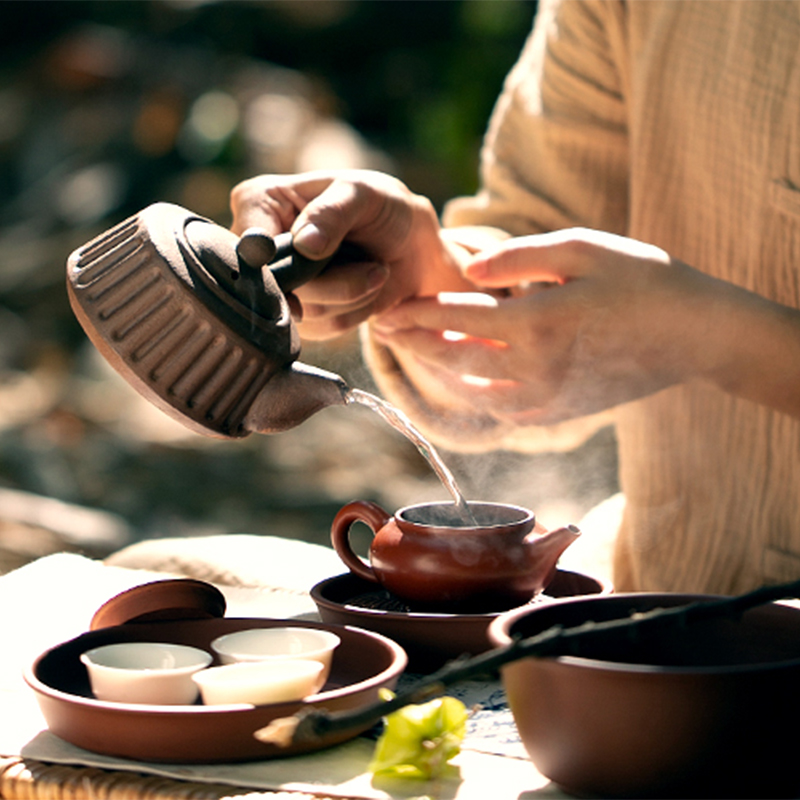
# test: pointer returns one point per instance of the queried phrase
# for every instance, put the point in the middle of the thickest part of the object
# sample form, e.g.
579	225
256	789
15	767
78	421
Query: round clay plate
429	639
363	663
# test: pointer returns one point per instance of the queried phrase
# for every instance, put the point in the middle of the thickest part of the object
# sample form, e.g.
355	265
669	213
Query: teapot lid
167	600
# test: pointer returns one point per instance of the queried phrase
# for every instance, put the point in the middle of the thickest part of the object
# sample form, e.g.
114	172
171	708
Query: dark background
106	107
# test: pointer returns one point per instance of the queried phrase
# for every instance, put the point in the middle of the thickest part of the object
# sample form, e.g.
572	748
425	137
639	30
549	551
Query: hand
397	230
603	320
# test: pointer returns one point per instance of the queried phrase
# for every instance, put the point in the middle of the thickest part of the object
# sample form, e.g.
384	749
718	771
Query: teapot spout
547	548
292	395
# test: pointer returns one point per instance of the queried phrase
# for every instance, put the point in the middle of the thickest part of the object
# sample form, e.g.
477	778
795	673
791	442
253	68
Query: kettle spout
547	548
292	395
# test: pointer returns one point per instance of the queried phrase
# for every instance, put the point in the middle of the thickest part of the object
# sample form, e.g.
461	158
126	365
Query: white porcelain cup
259	682
272	644
145	672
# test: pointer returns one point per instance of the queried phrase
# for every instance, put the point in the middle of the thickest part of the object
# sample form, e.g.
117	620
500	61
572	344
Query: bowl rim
333	641
202	659
525	516
254	666
499	636
217	678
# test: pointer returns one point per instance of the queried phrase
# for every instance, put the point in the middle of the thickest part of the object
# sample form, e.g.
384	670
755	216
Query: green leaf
418	741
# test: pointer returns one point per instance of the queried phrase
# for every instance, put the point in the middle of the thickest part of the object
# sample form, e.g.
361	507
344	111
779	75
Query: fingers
462	354
277	202
339	300
480	349
503	399
344	285
472	313
323	208
320	325
457	332
558	257
264	202
540	259
334	213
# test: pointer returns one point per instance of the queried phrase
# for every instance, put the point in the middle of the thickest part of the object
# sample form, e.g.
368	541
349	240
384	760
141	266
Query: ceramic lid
174	599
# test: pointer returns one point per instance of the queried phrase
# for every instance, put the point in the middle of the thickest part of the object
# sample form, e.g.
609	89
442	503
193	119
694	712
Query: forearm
752	346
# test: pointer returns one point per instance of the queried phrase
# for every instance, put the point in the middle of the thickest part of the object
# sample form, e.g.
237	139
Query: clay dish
429	638
180	598
704	711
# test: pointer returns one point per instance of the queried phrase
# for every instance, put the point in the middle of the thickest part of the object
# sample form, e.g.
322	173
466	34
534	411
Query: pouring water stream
400	422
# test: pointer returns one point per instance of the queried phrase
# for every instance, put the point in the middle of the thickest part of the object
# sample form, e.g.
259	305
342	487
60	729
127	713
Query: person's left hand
603	320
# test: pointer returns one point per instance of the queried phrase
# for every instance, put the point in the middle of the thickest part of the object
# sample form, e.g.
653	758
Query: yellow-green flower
419	740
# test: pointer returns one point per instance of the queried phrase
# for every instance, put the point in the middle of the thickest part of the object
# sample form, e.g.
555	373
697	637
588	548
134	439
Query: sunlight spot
467	299
477	381
214	116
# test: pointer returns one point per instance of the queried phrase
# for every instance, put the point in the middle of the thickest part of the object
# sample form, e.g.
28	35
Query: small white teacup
273	644
259	682
145	672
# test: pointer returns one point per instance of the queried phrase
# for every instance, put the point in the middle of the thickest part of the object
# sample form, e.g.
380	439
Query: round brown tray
429	639
364	663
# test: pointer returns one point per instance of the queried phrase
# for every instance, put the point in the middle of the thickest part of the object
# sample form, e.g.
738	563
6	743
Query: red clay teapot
430	557
197	320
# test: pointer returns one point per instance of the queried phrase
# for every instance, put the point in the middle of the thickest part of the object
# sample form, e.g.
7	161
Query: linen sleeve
554	156
556	151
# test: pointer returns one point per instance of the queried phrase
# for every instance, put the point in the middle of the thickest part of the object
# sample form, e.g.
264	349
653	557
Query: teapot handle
373	516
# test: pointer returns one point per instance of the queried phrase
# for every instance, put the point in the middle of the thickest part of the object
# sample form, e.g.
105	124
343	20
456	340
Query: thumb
330	216
318	230
319	208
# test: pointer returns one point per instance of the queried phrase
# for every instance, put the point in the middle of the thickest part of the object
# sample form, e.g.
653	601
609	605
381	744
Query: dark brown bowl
364	663
429	639
706	711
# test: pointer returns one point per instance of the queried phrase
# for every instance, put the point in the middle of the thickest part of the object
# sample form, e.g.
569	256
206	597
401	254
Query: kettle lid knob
256	248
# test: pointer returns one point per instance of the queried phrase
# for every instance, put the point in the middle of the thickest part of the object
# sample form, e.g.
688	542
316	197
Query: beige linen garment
676	123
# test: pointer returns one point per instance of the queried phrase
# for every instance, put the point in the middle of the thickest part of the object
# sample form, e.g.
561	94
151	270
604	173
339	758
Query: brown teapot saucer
430	638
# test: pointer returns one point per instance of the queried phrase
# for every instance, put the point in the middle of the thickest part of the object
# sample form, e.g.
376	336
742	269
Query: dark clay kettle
197	320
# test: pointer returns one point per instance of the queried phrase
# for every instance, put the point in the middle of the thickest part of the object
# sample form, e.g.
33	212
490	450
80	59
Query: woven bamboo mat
25	779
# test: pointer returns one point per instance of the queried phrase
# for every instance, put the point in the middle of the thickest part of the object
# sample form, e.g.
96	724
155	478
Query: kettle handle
292	269
374	517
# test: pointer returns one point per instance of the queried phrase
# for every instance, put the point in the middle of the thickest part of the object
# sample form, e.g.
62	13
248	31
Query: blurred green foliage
417	78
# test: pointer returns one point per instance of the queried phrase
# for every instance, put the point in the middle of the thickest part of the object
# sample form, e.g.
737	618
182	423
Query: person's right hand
397	230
